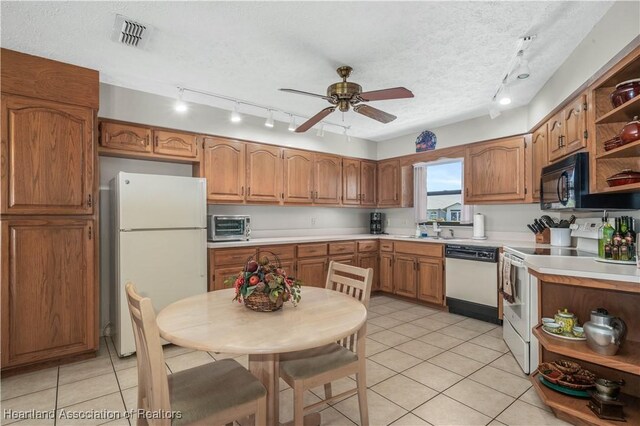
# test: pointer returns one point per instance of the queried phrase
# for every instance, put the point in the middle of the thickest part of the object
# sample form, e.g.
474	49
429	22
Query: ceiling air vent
130	32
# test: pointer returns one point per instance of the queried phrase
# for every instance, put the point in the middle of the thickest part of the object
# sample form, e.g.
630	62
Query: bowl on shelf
625	177
631	131
553	327
613	143
625	91
578	331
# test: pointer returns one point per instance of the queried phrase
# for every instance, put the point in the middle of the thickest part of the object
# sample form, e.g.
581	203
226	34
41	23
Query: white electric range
522	315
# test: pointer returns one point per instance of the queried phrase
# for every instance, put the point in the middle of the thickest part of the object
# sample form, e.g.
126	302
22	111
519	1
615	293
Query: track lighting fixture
269	121
522	71
235	115
320	130
292	123
504	96
180	105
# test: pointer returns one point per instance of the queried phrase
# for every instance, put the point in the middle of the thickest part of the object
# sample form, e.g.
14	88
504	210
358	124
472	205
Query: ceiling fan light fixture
320	132
180	105
235	114
269	121
504	97
292	123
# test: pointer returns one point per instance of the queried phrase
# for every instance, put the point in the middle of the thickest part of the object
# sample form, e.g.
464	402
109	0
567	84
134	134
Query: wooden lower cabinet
312	271
430	280
370	260
221	274
49	289
386	272
404	275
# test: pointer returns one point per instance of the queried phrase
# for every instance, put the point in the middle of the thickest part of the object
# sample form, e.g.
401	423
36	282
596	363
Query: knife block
544	237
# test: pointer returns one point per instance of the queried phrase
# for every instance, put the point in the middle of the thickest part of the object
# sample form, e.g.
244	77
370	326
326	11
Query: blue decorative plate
426	141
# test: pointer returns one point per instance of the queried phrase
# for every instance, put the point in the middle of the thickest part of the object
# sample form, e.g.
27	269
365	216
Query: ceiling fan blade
314	120
384	94
300	92
376	114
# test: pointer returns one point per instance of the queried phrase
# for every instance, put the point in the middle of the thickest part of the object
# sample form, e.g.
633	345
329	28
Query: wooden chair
303	370
216	393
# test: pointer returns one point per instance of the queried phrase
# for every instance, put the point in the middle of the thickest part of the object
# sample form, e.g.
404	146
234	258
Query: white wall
141	107
617	28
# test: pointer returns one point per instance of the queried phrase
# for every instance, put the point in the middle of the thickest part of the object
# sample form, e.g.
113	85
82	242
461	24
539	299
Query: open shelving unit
609	121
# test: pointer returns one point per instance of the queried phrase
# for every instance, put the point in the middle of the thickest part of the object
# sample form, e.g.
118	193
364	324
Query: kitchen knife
532	229
540	224
536	227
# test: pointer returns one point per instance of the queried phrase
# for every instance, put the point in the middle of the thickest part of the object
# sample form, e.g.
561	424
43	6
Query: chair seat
311	362
203	391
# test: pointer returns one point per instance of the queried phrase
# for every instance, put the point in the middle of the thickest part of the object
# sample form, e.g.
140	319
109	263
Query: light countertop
585	267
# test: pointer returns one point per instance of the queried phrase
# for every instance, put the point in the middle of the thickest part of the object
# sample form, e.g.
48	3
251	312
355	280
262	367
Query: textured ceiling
452	55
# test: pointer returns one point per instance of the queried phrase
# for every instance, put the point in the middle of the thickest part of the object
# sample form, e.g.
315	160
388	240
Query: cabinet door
175	144
538	159
575	126
368	183
224	169
47	153
298	176
370	260
351	193
327	179
125	137
404	275
347	259
389	183
312	272
556	135
223	273
264	173
48	289
430	283
386	272
495	171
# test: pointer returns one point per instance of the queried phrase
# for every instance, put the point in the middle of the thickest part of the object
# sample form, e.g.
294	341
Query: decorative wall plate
426	141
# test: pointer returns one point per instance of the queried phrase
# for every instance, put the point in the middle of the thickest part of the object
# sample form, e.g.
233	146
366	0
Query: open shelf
627	359
623	113
632	187
576	409
629	150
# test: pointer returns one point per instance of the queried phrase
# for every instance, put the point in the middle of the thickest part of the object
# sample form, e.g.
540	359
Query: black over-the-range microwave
565	186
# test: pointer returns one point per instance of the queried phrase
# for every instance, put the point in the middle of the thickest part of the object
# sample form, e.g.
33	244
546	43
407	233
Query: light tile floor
424	367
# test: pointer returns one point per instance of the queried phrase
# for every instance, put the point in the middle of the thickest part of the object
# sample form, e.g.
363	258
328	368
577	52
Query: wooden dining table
213	322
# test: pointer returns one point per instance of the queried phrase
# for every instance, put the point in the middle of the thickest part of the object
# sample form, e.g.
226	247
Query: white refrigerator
160	244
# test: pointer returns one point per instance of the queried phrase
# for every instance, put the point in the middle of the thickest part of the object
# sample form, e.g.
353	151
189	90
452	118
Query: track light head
235	114
180	105
269	121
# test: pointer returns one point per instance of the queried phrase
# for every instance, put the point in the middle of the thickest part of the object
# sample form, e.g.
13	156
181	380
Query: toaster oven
228	228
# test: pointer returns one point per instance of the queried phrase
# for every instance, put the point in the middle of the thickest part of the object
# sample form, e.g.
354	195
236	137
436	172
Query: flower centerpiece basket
263	285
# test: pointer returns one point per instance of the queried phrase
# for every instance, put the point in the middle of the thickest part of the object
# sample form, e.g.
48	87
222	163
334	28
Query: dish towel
507	279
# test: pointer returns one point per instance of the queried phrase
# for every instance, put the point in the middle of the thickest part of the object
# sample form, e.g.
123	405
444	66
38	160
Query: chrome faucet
436	229
451	232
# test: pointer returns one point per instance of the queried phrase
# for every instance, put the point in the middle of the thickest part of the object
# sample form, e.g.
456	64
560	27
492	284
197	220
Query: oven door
228	228
517	313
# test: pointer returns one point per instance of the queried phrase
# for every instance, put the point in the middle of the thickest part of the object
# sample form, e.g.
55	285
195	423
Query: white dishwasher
472	281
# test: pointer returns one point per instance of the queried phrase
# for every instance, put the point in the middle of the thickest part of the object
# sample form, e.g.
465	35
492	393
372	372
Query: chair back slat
354	282
153	386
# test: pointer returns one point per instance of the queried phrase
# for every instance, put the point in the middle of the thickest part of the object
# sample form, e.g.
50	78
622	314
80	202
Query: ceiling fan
344	95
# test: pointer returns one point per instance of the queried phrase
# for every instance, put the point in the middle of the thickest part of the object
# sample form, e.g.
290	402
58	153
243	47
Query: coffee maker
376	223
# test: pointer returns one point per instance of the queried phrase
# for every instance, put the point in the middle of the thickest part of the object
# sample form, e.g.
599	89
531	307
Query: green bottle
607	235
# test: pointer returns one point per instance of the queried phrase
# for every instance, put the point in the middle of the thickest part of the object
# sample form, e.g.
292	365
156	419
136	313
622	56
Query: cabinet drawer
367	246
311	250
420	249
341	248
386	245
283	252
232	256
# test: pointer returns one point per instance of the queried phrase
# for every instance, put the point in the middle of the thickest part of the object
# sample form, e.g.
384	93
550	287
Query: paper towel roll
478	225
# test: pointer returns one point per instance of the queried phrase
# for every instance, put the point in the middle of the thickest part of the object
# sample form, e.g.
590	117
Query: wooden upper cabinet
351	193
404	275
495	171
538	159
327	179
175	144
48	289
389	183
368	183
47	157
298	176
224	169
430	282
125	137
575	125
264	173
556	131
